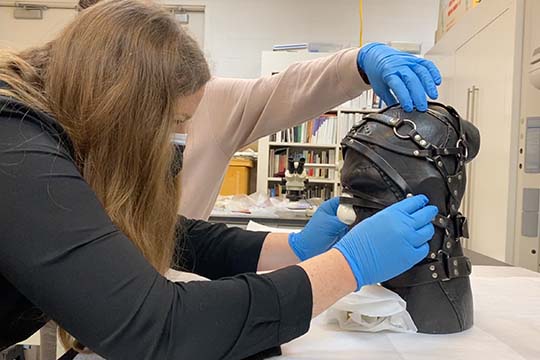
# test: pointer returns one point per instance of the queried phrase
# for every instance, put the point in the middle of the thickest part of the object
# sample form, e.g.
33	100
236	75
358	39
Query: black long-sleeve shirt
61	255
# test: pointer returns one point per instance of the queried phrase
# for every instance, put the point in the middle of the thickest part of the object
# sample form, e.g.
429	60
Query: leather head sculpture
392	154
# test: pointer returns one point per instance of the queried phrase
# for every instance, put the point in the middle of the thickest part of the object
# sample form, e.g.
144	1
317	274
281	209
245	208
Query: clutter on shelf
260	204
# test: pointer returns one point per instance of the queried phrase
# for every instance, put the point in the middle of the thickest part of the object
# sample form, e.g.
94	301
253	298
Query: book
368	100
319	131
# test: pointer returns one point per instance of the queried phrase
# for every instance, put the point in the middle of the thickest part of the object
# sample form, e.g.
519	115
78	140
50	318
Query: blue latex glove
389	242
408	76
322	231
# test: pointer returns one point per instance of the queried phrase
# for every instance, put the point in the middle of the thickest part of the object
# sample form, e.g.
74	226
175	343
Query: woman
89	225
249	109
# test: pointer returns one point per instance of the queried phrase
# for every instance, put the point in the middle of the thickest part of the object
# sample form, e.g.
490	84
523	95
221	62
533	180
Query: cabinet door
484	69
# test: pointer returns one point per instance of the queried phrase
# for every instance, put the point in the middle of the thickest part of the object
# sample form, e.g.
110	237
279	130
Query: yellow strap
361	22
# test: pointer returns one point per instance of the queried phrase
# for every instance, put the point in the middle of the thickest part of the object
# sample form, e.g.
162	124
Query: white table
507	326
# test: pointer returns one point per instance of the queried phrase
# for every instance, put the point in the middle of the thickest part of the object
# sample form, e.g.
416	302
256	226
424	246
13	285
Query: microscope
295	180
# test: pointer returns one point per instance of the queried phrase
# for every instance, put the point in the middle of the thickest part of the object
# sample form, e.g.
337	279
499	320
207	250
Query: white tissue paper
372	309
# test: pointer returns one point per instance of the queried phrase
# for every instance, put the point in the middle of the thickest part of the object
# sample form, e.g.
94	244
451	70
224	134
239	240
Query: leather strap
406	151
380	162
439	270
384	119
364	196
357	201
69	355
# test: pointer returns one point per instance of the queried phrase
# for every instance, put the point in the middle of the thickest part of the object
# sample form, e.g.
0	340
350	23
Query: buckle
462	227
443	258
462	143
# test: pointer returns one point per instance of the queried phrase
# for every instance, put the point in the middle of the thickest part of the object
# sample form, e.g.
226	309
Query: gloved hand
408	76
322	231
389	242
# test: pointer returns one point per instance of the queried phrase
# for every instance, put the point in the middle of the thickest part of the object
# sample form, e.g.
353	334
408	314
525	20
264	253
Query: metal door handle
474	103
472	93
468	111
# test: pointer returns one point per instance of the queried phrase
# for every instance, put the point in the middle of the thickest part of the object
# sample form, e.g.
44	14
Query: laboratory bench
286	220
506	325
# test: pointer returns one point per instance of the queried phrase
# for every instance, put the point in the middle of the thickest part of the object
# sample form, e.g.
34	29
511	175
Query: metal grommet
453	207
441	221
445	151
433	255
432	268
456	272
455	262
416	152
434	275
455	192
417	137
460	177
409	195
449	180
423	142
448	245
461	163
440	164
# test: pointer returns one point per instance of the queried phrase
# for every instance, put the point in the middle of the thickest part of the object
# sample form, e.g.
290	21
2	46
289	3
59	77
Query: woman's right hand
389	242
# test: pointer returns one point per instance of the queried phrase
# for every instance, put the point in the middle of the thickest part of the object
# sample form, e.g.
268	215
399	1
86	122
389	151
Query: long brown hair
113	79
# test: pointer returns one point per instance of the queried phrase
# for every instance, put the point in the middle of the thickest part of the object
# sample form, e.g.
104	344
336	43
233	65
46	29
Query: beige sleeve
246	110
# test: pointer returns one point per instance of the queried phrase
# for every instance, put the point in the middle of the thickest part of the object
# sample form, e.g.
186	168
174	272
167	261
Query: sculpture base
442	307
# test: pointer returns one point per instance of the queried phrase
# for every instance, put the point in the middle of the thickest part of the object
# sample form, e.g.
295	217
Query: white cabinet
481	60
483	84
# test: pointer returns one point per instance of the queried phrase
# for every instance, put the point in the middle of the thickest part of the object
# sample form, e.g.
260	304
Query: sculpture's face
361	176
383	162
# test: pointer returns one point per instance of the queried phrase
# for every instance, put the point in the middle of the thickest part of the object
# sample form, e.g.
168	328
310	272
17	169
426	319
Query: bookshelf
317	140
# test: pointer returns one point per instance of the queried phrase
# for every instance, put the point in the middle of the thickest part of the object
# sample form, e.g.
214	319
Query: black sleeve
61	251
215	250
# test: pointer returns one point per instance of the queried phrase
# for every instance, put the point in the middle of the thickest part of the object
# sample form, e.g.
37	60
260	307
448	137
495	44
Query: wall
20	33
237	31
411	20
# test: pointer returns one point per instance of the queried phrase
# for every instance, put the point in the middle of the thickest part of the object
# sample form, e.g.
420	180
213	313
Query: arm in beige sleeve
246	110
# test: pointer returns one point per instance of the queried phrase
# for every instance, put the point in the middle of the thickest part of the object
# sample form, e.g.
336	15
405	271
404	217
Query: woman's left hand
392	72
322	231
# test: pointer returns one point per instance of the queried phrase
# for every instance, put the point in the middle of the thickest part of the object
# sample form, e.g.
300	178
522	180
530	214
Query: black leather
393	153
